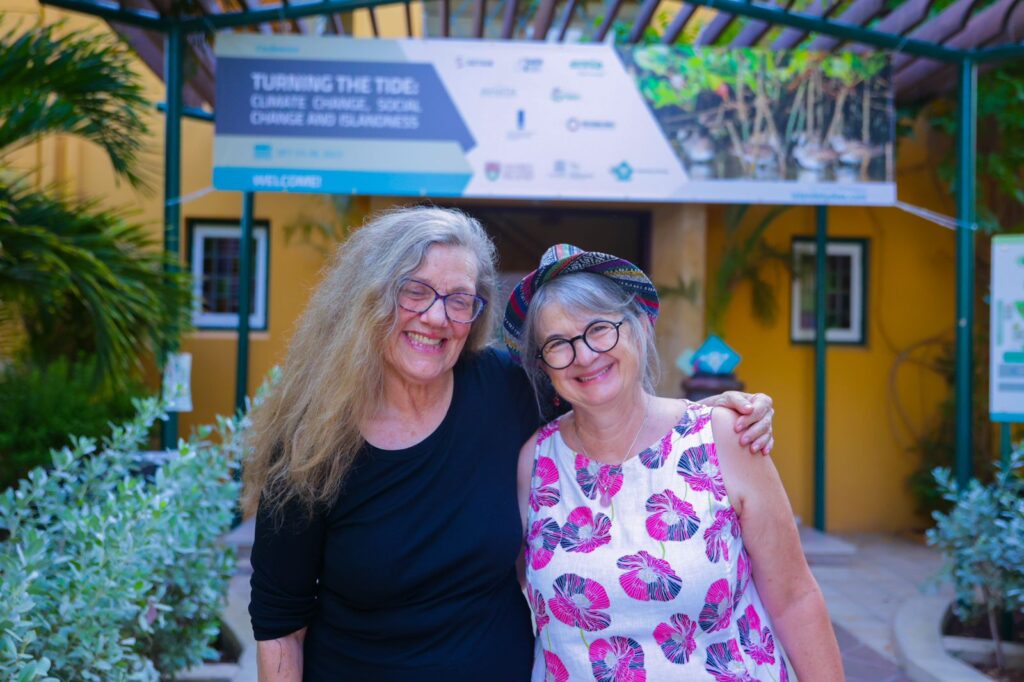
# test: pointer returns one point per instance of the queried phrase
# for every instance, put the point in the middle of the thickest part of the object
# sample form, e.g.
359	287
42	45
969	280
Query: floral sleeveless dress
637	571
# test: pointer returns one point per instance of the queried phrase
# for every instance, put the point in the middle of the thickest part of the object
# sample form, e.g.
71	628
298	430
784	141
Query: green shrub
39	406
111	575
982	538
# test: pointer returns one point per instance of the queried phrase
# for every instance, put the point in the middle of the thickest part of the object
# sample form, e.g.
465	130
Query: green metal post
967	135
172	177
244	294
821	285
1005	444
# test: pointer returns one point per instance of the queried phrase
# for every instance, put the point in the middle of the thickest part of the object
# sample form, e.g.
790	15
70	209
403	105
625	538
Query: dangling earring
557	401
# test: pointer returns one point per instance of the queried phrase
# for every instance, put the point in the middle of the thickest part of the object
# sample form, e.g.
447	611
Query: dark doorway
523	234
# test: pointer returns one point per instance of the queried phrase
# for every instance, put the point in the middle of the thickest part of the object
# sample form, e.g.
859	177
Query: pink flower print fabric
756	641
544	484
720	534
584	531
676	638
699	468
671	519
541	541
725	663
717	610
648	578
654	457
598	481
637	571
540	616
554	668
695	418
578	602
617	659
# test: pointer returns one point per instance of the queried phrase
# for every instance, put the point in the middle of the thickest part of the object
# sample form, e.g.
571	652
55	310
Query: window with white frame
216	263
845	282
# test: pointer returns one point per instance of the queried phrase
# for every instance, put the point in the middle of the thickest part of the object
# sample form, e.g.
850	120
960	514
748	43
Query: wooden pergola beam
543	18
642	20
859	14
612	8
679	22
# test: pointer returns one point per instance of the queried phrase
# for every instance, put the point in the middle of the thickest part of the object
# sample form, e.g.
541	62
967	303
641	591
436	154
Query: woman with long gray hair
383	473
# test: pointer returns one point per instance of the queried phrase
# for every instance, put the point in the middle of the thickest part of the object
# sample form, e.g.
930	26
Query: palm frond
76	83
744	255
84	279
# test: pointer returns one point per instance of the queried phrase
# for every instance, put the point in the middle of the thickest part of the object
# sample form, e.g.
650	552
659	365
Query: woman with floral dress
654	548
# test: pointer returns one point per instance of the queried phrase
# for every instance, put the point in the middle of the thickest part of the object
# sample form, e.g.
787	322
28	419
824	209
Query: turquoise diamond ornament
716	357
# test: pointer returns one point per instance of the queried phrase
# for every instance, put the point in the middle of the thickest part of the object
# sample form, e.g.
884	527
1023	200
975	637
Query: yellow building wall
910	298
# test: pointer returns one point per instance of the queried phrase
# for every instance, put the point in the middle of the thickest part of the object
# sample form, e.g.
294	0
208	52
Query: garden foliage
40	405
982	538
109	574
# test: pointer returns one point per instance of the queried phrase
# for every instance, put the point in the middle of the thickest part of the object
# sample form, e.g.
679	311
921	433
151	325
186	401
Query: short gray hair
598	295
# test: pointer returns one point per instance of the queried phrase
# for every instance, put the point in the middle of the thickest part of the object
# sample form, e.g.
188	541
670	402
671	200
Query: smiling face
593	379
425	346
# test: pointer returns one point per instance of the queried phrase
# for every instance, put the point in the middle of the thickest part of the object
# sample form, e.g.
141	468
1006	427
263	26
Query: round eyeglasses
417	297
600	336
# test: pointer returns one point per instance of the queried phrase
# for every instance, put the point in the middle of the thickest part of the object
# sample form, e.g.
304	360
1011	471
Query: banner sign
552	121
1006	331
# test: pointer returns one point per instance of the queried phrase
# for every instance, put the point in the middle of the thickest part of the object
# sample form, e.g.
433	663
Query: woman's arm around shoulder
524	478
784	581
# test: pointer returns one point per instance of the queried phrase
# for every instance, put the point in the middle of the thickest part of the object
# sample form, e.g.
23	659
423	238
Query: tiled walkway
863	590
861	663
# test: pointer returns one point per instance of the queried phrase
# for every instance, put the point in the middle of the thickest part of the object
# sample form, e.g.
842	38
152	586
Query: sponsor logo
574	124
497	92
587	66
517	172
262	151
530	64
568	170
622	172
563	95
473	62
512	172
520	131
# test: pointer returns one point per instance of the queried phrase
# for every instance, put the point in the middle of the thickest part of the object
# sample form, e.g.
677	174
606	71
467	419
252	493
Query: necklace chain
576	429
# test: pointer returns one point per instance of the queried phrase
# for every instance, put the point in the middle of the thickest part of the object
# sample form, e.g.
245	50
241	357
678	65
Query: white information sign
535	120
177	387
1006	333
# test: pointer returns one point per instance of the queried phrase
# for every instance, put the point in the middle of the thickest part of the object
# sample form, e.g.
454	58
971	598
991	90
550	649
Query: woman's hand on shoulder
754	413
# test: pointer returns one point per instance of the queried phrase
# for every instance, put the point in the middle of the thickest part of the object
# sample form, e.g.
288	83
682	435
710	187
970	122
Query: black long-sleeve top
410	574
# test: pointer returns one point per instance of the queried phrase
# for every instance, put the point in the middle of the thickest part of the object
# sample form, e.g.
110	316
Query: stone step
822	548
241	539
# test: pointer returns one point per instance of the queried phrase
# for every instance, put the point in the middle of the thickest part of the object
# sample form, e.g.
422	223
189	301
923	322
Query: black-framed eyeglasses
417	297
600	336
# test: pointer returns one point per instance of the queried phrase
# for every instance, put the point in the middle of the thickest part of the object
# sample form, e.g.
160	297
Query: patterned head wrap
565	259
